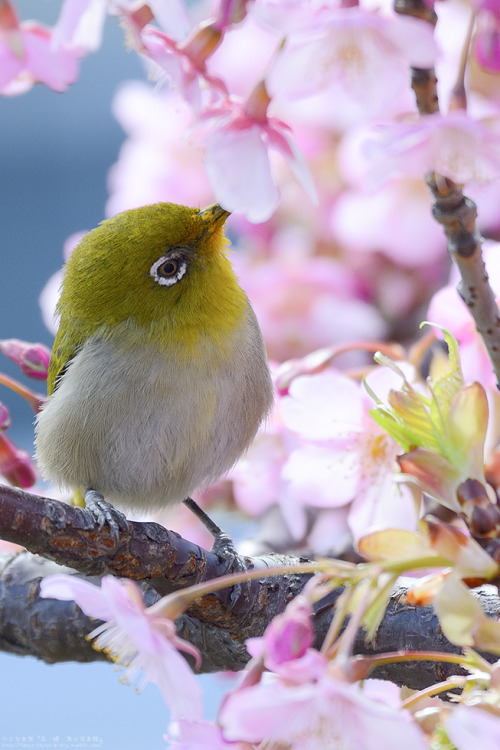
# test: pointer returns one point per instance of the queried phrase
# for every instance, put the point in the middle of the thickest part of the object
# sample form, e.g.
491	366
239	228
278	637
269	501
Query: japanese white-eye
158	378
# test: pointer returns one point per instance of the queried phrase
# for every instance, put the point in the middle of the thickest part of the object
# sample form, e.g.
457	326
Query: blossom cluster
290	695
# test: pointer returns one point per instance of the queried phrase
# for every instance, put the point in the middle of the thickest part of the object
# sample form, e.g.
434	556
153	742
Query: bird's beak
214	216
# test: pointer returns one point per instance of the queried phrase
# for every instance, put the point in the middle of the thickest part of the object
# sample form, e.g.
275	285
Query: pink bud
4	417
9	29
15	464
487	48
33	359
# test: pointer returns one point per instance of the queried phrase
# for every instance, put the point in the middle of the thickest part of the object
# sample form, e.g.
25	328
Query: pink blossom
384	221
470	727
487	41
287	16
453	145
158	161
136	637
5	420
236	61
257	482
299	299
345	457
184	64
238	163
287	637
325	712
37	61
364	56
81	22
15	464
285	647
198	735
10	33
33	359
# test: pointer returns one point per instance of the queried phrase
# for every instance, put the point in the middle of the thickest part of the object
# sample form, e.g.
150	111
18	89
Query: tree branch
457	213
218	624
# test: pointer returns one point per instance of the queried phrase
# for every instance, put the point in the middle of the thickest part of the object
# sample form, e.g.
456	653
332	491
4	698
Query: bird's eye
167	270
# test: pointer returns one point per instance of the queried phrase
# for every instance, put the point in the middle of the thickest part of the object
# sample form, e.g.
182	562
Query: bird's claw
225	550
223	546
105	513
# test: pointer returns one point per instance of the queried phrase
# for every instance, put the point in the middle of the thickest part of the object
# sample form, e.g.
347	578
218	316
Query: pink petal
323	406
56	68
238	167
88	596
10	66
321	476
470	727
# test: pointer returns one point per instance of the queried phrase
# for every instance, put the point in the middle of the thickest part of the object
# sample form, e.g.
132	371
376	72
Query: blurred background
56	150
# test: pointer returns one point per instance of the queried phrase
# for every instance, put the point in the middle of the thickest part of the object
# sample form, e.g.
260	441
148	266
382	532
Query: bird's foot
223	545
104	513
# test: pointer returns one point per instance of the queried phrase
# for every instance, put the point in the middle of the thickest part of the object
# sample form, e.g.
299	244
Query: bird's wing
64	349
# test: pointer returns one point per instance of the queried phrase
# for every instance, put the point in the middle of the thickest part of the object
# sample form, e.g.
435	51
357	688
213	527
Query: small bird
158	378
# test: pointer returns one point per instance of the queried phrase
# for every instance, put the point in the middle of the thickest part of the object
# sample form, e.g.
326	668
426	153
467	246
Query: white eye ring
164	275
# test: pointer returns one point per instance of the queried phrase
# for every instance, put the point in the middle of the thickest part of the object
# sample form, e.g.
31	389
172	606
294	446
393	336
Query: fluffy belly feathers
145	429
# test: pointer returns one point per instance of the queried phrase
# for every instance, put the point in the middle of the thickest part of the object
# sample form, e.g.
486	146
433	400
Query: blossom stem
395	657
341	612
34	399
458	94
181	600
451	684
348	637
320	359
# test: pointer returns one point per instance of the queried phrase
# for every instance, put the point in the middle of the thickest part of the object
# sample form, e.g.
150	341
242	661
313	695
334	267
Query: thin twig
458	214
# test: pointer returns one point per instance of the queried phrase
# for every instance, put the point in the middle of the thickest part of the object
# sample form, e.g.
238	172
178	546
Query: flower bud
33	359
15	464
4	417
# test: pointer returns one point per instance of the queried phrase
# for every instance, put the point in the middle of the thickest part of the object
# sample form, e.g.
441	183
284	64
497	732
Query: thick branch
148	553
55	631
217	624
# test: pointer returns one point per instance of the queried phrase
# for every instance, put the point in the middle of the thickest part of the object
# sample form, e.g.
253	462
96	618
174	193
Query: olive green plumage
158	377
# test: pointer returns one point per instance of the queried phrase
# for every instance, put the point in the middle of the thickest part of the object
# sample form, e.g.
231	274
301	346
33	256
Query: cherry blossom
487	35
199	735
81	22
184	64
390	215
159	161
5	420
453	145
35	60
138	638
299	299
15	464
238	163
469	727
322	711
344	457
355	54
